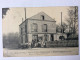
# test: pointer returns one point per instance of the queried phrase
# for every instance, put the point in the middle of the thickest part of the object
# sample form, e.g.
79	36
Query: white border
37	3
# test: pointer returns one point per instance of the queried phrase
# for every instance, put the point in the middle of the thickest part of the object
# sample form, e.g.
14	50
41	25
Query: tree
72	22
4	11
11	40
72	19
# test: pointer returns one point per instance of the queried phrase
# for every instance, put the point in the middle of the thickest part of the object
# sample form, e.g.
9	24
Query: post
61	19
25	13
26	26
61	25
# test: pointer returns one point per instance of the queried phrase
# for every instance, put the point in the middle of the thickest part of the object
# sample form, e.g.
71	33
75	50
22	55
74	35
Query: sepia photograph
40	31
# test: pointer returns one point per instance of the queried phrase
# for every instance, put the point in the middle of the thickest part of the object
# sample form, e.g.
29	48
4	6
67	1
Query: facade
38	28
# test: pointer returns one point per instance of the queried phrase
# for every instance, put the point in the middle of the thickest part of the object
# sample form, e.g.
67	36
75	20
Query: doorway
52	37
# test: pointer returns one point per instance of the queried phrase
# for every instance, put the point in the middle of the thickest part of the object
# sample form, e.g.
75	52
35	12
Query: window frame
42	17
35	35
44	30
36	28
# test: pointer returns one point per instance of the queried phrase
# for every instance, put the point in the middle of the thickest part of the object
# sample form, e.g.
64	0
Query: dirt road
40	52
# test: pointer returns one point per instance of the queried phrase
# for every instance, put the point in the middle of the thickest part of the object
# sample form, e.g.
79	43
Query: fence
63	43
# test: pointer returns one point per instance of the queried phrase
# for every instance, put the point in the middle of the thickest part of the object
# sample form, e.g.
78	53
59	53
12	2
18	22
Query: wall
29	38
51	26
38	16
62	43
22	36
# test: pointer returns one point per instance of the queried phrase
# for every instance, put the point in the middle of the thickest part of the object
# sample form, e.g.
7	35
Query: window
34	27
46	37
35	38
44	28
42	16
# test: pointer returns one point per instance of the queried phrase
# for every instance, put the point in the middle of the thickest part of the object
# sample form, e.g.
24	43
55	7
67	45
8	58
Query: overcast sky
11	22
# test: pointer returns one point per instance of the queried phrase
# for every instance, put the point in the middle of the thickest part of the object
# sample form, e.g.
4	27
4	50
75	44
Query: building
38	28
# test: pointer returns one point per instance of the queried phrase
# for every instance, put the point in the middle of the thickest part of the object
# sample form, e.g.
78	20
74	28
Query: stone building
39	28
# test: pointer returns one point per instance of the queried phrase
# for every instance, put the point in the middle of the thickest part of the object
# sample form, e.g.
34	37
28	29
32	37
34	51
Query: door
34	40
52	37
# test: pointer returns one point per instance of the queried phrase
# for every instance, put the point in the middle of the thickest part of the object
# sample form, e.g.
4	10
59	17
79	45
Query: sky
13	18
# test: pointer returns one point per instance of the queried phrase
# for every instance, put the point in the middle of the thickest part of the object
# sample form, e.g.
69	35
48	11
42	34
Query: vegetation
4	10
72	24
11	40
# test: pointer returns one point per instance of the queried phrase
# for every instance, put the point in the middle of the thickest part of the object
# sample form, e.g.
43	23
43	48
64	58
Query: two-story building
38	28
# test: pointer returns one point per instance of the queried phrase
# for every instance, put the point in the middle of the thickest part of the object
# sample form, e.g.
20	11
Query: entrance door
34	40
52	37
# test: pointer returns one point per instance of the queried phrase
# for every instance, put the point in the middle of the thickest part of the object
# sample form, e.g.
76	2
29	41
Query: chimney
61	25
25	13
61	19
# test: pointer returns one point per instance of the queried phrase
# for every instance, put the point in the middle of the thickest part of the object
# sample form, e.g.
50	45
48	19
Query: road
40	52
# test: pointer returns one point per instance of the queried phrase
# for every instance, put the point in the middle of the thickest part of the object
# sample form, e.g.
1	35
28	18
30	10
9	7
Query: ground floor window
40	38
35	38
46	37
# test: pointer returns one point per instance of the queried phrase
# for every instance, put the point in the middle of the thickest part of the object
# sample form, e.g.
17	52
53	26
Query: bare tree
72	19
72	22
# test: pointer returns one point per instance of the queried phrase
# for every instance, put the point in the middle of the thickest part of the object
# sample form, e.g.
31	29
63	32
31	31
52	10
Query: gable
42	16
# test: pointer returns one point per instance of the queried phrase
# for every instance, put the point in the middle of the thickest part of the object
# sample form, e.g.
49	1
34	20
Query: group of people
39	43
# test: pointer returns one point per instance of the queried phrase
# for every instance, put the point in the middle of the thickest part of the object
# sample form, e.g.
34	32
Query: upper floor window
44	28
42	16
34	27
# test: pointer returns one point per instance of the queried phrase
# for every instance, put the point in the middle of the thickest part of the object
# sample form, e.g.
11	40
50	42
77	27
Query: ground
40	52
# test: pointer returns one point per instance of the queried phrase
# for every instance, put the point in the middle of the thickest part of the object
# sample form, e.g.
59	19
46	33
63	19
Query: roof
38	16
